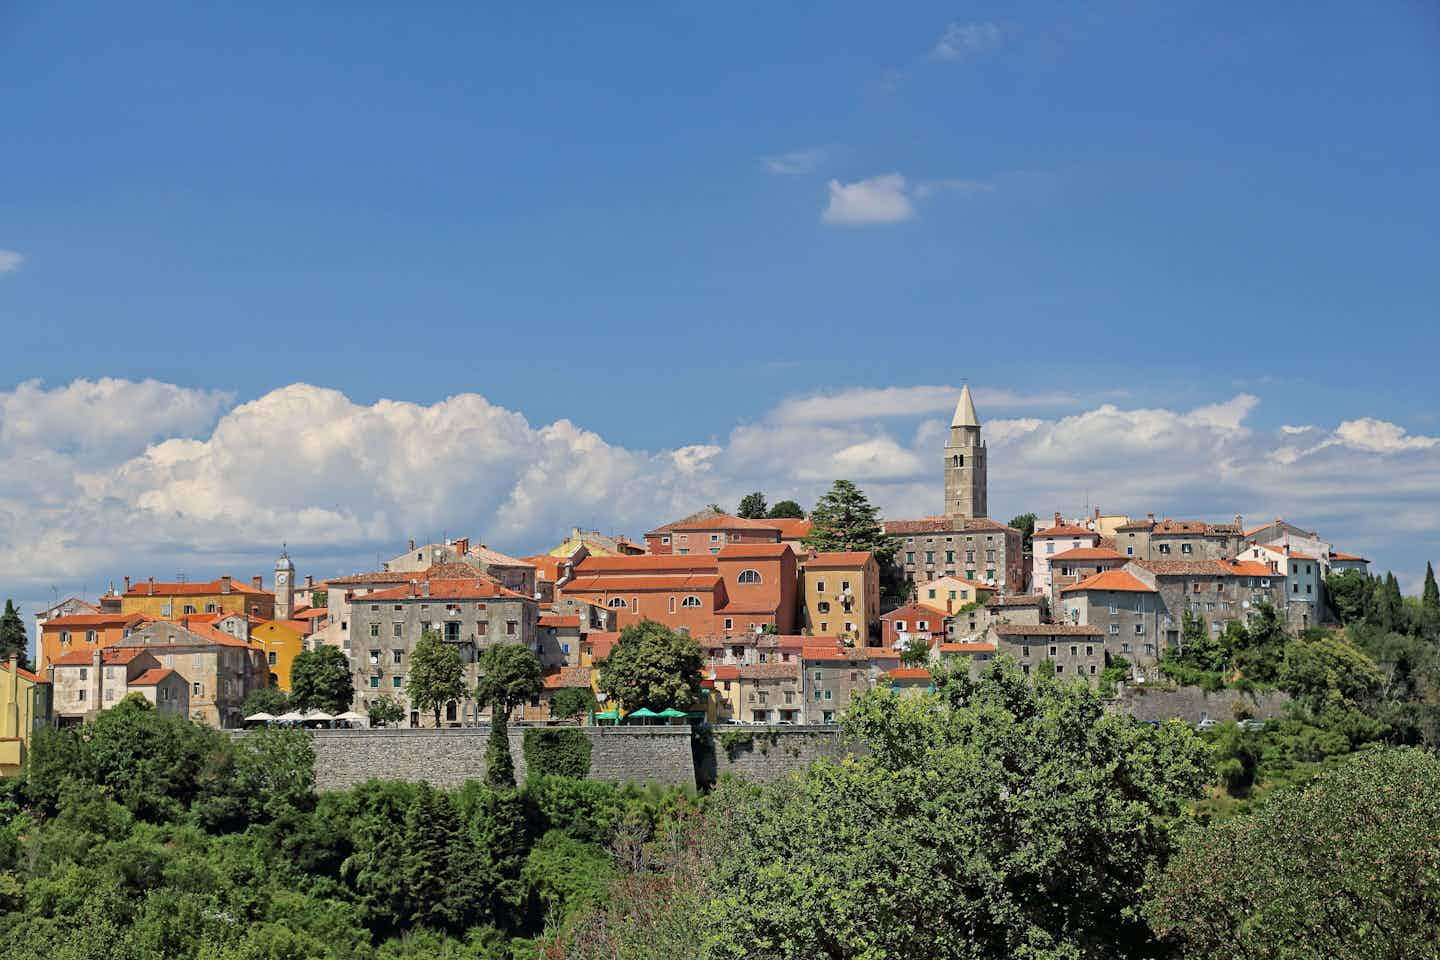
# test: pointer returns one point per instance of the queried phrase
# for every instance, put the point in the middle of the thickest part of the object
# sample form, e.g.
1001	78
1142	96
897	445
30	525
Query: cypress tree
1430	596
499	765
13	641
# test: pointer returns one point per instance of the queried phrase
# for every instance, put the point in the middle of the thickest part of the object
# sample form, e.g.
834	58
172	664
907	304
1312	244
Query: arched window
690	602
748	576
617	603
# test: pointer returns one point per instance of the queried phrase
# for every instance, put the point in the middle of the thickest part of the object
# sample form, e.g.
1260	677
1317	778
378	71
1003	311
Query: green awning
642	712
672	712
607	715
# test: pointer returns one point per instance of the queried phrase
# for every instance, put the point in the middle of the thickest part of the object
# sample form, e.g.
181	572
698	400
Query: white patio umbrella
294	716
260	717
352	716
319	715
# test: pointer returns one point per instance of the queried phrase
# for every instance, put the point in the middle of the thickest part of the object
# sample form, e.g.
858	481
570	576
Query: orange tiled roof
1251	568
311	613
189	589
1337	555
900	528
1088	553
1065	530
151	677
719	521
790	529
546	566
554	620
603	584
908	673
968	648
912	610
838	560
1112	580
646	564
769	671
1180	568
21	671
567	677
725	671
745	551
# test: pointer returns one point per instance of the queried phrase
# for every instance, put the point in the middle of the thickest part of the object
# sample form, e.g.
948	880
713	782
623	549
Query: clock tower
284	586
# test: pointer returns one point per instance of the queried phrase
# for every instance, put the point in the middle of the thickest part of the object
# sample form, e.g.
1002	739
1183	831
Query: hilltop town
794	615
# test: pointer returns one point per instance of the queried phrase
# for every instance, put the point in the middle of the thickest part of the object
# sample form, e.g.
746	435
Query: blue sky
662	222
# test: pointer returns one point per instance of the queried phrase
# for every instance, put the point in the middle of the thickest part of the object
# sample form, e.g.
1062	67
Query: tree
1328	672
1430	594
844	520
320	680
436	677
1020	820
1343	866
271	700
1351	594
319	599
510	675
13	642
439	864
787	510
572	703
652	666
499	763
752	506
386	711
1025	523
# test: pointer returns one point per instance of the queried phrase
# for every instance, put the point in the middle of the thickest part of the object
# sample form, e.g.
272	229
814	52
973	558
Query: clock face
282	578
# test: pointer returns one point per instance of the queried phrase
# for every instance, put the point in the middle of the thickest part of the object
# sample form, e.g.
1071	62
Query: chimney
152	586
462	546
1150	517
225	583
1239	523
412	543
96	685
10	719
257	581
425	588
1057	518
1097	514
127	584
309	581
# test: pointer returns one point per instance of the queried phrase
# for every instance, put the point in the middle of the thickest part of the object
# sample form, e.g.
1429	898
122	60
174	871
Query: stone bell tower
965	481
284	586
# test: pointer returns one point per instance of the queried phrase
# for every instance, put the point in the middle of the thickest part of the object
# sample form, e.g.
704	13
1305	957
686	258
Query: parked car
1206	723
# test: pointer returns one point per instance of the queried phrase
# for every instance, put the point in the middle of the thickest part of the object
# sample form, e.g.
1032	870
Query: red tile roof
913	610
1183	568
790	529
546	566
1337	555
908	673
621	585
1015	600
478	589
646	564
1088	553
21	671
311	613
1065	530
968	648
567	677
832	651
902	528
725	671
770	671
151	677
1251	568
1111	580
838	560
719	521
745	551
554	620
187	589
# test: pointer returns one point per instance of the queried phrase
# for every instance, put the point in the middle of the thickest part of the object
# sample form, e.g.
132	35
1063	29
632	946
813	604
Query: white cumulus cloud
962	41
879	199
10	261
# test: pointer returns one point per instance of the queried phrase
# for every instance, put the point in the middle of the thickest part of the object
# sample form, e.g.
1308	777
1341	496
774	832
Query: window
969	574
84	673
91	636
374	629
1052	650
1184	548
844	586
396	629
729	623
1164	548
824	626
195	689
188	608
748	576
672	605
398	609
634	604
930	557
1124	648
922	625
949	556
272	658
397	682
397	656
210	607
1139	628
1130	551
909	556
819	586
1114	609
849	627
1049	546
483	628
665	540
616	603
1114	628
1089	650
452	631
829	695
690	602
80	695
1074	650
990	574
714	538
511	628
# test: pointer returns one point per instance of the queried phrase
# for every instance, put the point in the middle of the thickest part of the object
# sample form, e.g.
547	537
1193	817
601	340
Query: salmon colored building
709	532
743	587
85	632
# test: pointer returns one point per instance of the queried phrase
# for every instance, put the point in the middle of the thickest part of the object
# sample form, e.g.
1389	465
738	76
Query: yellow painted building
841	595
282	641
172	601
949	594
24	702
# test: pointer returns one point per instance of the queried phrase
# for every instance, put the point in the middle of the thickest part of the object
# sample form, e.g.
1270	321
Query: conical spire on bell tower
965	468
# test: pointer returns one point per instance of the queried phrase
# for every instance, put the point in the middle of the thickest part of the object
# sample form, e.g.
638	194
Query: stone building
467	614
770	693
966	482
1127	611
975	549
1073	650
1073	566
1057	539
221	670
833	675
510	572
1167	539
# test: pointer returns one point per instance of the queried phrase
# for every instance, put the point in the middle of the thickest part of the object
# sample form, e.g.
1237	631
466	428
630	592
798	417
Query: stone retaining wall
1192	704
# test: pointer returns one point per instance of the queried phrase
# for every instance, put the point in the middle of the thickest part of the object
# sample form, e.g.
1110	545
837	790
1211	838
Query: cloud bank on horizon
100	479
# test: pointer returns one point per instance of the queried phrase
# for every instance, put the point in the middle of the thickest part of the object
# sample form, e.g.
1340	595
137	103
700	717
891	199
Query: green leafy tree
13	642
1342	867
439	865
510	675
787	510
386	711
1020	820
572	703
319	598
271	700
320	680
652	666
1351	594
1025	523
752	506
499	762
845	520
275	772
1199	648
1328	672
436	677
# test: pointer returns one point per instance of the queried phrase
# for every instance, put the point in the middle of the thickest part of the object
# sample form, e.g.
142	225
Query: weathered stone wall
767	754
449	757
1193	704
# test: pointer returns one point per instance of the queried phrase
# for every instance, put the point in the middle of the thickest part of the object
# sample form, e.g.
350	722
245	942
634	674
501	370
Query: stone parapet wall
1192	704
767	754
